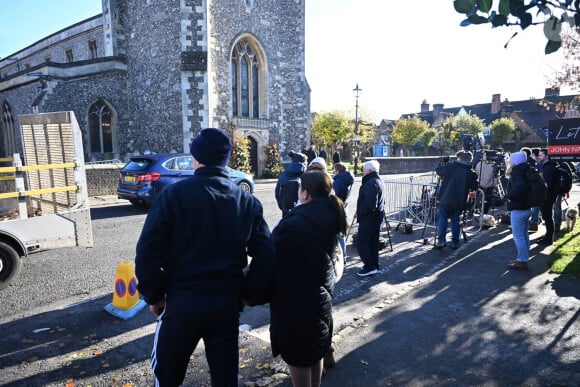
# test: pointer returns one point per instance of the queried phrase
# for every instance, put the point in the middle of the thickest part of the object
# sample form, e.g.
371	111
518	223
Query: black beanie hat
211	147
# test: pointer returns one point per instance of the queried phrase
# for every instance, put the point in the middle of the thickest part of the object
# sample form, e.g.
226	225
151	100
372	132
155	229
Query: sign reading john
564	140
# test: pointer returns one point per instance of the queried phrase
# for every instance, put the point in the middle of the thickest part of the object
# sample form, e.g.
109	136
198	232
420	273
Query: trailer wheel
9	264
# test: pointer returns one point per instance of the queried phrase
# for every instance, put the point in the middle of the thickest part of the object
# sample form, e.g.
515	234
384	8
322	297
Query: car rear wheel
9	264
137	202
245	186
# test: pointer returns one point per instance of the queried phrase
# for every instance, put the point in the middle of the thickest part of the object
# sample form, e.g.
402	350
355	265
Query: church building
148	75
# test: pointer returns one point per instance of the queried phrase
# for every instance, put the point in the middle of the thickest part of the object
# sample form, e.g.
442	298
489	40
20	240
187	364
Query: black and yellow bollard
126	302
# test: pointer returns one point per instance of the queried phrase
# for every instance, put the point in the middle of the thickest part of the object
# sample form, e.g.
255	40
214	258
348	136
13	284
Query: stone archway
258	139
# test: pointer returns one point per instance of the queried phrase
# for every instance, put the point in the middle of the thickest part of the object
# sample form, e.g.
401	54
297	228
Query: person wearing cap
520	211
192	264
457	179
286	190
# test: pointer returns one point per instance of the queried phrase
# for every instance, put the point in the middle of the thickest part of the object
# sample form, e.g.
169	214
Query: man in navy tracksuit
190	265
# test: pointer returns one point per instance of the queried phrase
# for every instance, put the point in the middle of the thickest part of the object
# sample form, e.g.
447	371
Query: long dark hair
319	186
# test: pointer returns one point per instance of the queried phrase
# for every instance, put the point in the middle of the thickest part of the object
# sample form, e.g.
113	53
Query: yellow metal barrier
39	191
38	167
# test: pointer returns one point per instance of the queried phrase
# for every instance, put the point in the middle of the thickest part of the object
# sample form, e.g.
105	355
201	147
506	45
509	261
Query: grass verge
565	257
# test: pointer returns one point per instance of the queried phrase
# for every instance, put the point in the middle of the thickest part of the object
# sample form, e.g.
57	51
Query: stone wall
52	48
102	178
278	27
392	165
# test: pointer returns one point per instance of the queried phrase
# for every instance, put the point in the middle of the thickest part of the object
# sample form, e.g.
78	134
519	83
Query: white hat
318	160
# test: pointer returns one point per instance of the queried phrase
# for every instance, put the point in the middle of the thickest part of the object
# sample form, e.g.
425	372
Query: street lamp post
356	138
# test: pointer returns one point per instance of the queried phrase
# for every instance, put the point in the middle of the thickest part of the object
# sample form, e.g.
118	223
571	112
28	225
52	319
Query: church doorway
253	155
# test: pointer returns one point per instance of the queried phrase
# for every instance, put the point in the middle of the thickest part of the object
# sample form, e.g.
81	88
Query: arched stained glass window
246	83
8	135
100	128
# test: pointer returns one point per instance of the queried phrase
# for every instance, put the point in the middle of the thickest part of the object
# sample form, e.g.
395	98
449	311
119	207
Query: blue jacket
197	238
342	183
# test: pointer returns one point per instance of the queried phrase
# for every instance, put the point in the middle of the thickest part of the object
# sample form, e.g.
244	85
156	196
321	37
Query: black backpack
563	179
537	189
289	192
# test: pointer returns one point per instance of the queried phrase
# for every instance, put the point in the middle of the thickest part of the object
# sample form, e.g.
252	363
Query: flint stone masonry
102	179
164	70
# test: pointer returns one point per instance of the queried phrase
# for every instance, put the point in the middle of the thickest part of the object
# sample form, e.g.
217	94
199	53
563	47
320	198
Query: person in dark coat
286	196
303	282
311	154
191	261
370	208
535	217
519	209
323	154
550	177
457	180
342	184
335	157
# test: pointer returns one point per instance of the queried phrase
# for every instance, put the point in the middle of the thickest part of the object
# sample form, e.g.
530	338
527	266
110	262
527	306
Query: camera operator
486	173
457	180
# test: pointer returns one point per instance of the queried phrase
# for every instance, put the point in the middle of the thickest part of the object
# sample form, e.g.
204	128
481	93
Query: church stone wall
79	94
279	28
152	41
75	38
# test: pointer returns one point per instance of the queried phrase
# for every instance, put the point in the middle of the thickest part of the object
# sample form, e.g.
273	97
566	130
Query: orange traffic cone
126	302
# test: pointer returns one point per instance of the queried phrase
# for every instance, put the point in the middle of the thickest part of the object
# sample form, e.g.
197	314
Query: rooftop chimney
506	108
424	106
437	108
553	91
495	103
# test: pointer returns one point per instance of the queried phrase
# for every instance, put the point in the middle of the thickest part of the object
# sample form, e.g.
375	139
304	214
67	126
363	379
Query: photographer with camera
457	180
486	171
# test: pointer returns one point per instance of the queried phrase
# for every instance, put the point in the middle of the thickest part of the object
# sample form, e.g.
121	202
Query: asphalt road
54	327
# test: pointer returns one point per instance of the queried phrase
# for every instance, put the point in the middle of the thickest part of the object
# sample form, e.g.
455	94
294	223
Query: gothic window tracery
246	68
8	137
100	128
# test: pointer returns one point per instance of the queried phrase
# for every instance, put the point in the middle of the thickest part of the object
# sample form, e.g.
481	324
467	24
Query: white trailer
43	197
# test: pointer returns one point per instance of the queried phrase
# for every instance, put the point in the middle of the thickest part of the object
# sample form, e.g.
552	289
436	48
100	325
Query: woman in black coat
303	282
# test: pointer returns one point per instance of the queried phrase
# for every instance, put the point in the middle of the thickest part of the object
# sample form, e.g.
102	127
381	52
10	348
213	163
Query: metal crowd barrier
411	200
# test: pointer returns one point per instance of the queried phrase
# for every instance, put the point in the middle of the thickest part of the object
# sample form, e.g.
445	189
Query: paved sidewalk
459	317
473	322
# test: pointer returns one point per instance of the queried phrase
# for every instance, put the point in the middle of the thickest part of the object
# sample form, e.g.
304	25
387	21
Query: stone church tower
237	65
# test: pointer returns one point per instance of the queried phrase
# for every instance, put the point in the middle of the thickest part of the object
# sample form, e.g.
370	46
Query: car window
169	164
138	165
184	163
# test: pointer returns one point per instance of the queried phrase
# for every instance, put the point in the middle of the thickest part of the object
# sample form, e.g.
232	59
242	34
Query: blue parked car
145	176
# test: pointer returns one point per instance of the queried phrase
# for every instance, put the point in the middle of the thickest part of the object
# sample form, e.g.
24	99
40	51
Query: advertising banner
564	140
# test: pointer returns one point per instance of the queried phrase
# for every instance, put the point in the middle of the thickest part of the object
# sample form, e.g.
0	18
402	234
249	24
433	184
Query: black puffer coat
303	282
458	180
517	188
